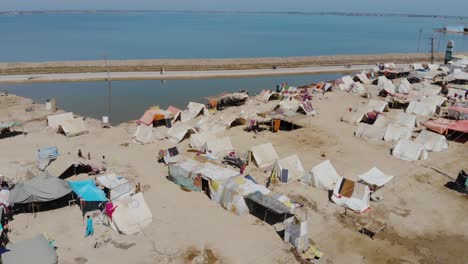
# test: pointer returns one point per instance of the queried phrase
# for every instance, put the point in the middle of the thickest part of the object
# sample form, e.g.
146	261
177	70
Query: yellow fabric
154	107
215	185
312	253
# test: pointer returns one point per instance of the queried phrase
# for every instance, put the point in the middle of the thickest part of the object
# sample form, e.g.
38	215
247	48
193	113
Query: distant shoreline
373	14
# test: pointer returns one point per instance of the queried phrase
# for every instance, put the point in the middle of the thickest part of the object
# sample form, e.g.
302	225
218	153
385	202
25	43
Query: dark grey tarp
41	188
268	202
35	250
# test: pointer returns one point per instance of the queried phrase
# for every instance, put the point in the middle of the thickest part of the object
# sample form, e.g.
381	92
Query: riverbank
153	65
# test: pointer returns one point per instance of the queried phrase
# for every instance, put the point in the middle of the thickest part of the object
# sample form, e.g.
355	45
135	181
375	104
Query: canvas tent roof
421	108
149	115
322	176
404	87
432	141
396	132
385	84
363	78
178	132
406	120
55	120
377	105
143	134
131	215
293	167
36	250
42	188
345	83
409	150
88	191
264	155
215	172
354	195
218	146
118	185
357	87
199	139
73	127
375	177
370	131
353	117
267	95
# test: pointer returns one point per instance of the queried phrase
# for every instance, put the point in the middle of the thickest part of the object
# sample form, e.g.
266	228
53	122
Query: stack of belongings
45	156
68	125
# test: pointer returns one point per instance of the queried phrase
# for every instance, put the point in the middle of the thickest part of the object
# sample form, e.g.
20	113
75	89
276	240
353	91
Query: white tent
289	169
396	132
358	88
322	176
363	78
409	150
457	76
385	84
264	155
73	127
178	132
354	117
369	131
432	141
406	120
193	111
143	134
55	120
307	108
354	195
404	87
454	93
417	66
215	173
424	88
289	104
131	215
218	147
434	99
119	186
345	83
375	177
421	108
377	105
267	95
199	139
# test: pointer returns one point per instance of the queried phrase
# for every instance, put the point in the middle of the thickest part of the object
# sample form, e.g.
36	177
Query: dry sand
426	221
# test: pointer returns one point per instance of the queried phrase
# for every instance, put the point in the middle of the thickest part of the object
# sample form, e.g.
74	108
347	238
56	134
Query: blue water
144	35
129	99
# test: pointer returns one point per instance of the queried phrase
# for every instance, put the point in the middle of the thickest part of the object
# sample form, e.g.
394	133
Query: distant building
455	29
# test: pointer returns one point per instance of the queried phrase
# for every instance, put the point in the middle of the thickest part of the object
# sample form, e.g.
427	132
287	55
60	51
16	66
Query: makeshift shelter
306	108
36	250
357	87
179	132
354	195
143	134
377	105
344	83
422	108
375	177
118	186
322	176
432	141
45	155
264	155
434	100
227	99
66	166
404	87
193	110
289	104
362	78
396	132
271	207
370	131
460	77
459	112
73	127
87	191
39	189
442	125
54	121
131	215
385	84
152	115
171	155
288	169
296	232
199	139
6	127
408	150
218	147
268	95
354	117
406	120
454	93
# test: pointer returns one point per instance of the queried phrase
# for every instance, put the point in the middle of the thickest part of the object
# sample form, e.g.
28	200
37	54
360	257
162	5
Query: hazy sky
446	7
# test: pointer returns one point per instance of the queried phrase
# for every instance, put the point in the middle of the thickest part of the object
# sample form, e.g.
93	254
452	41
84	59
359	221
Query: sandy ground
426	222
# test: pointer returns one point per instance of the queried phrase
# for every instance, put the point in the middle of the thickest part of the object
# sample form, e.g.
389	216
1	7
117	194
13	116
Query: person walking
89	227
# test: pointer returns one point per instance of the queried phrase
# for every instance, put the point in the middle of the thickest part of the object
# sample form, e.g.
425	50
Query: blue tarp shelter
87	191
45	155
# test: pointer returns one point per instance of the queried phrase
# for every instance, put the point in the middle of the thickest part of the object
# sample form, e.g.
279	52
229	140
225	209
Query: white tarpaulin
345	83
199	139
119	186
421	108
178	132
218	147
432	141
454	93
214	172
434	100
375	177
369	131
73	127
377	105
267	95
409	150
406	120
357	87
322	176
131	215
396	132
55	120
289	104
363	78
385	84
404	87
264	155
354	117
354	195
143	134
289	169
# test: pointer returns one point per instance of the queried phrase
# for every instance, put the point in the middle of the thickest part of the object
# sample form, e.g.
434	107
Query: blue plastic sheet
88	191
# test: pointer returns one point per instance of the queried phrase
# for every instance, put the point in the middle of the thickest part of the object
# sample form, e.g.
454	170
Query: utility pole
419	39
432	50
109	88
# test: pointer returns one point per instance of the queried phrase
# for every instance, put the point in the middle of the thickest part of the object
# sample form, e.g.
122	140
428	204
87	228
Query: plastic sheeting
55	120
45	155
119	186
73	127
375	177
218	147
370	132
131	215
322	176
354	195
88	191
36	250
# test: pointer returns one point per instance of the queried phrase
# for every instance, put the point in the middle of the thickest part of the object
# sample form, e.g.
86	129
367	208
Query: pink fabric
460	109
442	125
173	110
461	126
110	209
147	117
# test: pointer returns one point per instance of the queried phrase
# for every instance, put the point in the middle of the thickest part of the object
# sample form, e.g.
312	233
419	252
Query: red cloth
442	125
460	109
110	209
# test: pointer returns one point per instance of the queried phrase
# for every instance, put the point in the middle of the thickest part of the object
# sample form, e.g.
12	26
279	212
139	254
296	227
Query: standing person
80	155
89	227
89	155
